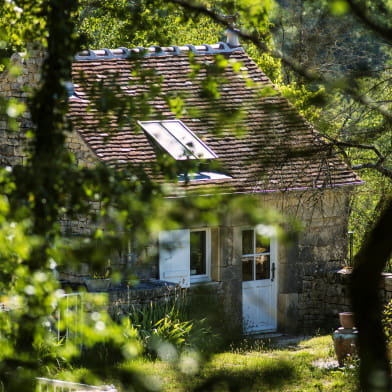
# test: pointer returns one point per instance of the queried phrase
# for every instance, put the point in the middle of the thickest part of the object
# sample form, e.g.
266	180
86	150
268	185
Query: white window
185	256
177	139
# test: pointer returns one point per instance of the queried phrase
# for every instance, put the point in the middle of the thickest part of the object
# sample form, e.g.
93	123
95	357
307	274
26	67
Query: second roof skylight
177	139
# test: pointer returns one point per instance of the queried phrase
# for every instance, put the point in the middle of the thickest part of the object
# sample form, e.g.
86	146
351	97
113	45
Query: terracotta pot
346	319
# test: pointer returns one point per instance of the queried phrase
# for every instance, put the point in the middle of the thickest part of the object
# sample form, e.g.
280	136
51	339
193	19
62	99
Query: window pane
262	267
247	268
198	253
177	139
247	242
262	244
165	139
188	139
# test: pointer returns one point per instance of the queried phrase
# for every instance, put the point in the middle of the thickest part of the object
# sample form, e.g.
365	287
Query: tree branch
375	166
370	165
383	32
311	76
355	145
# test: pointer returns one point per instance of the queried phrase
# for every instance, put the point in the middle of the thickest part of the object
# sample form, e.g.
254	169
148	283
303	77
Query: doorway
259	282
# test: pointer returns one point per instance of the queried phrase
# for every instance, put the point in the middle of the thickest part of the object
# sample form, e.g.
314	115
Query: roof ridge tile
154	50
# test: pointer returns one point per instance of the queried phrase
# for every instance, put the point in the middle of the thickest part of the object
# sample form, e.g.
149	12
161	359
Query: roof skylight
177	139
203	176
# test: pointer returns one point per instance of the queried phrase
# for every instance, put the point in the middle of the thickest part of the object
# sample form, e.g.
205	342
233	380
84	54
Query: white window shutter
174	256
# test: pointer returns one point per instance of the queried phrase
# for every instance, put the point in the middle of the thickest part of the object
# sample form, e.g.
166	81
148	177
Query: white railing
74	303
50	385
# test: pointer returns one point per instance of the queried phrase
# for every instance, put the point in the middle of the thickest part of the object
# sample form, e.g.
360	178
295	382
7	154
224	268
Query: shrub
159	320
387	322
166	323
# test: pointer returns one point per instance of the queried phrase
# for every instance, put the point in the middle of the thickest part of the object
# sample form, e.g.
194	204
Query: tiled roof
274	147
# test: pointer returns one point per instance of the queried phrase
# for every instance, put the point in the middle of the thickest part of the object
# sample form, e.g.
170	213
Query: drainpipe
350	248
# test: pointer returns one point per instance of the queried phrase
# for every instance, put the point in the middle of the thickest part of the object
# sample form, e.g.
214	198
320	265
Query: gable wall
306	266
84	157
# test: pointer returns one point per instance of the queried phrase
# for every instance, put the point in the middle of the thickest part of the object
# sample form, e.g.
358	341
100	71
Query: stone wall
307	262
208	301
25	74
202	301
84	156
338	294
17	82
124	300
231	274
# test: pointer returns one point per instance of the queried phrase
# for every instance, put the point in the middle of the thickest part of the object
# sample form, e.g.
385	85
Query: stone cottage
214	112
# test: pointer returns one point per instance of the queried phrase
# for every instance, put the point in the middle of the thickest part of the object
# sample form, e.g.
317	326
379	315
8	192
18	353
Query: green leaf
339	7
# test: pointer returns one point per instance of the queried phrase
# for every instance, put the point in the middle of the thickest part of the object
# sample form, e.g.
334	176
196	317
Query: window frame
207	276
180	142
255	254
175	255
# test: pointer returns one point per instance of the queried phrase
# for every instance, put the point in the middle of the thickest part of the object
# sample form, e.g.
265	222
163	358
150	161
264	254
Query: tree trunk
370	261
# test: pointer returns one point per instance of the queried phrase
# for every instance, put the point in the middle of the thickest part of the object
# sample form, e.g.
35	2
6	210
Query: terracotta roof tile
275	148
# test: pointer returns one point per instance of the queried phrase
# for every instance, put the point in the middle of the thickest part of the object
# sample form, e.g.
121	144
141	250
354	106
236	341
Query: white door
259	277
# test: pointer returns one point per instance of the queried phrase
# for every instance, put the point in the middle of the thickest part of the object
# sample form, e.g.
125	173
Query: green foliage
167	333
367	135
17	19
307	102
165	329
142	23
49	356
32	199
339	7
387	323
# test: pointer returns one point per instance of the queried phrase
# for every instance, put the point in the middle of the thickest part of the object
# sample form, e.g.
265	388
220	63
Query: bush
159	321
387	322
165	324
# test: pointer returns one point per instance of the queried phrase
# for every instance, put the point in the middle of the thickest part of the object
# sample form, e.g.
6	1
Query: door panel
259	306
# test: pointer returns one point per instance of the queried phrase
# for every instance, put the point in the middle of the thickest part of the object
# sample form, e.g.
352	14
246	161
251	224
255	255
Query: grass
255	366
249	366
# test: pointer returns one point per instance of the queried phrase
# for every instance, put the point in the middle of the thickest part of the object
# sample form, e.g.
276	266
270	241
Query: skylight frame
177	139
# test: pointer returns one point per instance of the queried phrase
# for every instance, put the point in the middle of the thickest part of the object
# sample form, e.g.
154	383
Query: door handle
273	272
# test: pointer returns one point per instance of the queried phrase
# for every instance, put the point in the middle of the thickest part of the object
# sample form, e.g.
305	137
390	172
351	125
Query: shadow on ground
271	378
